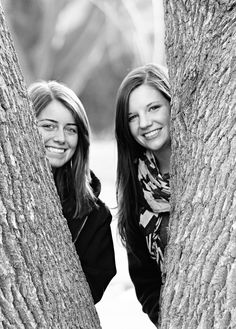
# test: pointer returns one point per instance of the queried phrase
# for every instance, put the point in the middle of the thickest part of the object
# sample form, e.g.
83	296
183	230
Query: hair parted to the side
127	148
75	174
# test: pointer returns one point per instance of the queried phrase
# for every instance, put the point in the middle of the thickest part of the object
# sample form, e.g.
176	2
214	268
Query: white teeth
152	133
55	150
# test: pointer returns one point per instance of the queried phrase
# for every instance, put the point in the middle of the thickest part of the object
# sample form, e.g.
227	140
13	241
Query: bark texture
200	279
42	284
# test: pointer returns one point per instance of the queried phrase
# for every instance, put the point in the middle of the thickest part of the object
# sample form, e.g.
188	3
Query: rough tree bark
200	285
42	284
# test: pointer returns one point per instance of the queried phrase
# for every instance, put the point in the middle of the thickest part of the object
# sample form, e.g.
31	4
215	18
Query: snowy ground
119	307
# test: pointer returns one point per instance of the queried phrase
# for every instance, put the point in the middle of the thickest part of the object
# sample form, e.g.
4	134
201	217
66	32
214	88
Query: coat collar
95	184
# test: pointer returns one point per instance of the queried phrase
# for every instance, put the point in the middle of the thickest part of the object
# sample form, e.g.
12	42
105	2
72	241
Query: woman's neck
163	158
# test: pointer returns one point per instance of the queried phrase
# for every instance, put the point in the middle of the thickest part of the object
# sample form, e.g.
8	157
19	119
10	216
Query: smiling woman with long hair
144	149
64	126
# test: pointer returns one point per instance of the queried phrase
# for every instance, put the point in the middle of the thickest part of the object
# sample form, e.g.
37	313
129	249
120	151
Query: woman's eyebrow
51	120
54	121
152	103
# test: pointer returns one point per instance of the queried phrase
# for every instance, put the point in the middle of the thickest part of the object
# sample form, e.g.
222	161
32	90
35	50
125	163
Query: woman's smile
152	134
55	150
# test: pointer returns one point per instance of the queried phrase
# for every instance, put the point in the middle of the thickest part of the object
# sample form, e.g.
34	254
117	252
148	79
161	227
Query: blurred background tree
88	44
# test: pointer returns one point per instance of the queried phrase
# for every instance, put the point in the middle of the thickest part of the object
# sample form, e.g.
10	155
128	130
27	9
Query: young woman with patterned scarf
144	150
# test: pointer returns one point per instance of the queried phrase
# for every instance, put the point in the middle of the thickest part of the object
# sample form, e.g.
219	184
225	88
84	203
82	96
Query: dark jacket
144	271
93	241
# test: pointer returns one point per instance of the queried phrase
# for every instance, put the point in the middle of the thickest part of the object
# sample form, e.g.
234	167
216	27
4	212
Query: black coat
144	271
93	242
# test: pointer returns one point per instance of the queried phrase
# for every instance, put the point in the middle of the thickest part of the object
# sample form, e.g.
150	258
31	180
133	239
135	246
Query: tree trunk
200	278
42	284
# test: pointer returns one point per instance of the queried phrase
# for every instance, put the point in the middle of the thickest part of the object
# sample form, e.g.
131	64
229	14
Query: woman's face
149	118
60	133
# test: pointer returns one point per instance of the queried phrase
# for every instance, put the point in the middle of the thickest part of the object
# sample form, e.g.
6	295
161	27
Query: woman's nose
59	135
144	121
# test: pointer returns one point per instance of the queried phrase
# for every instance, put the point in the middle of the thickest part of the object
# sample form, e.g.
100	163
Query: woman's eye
48	126
71	130
132	117
154	108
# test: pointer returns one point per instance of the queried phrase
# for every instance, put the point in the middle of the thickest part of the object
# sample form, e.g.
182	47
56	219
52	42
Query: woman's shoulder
100	213
95	184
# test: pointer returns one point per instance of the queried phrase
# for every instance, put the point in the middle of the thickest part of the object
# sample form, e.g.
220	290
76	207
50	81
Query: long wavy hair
128	149
73	178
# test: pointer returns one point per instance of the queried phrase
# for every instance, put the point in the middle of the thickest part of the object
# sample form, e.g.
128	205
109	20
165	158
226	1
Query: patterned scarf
156	192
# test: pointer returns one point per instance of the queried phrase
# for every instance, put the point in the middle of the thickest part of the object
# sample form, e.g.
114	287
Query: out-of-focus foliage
88	44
